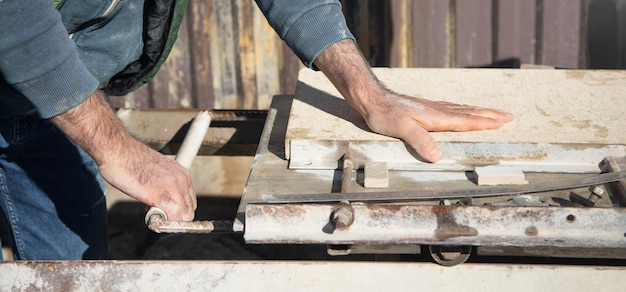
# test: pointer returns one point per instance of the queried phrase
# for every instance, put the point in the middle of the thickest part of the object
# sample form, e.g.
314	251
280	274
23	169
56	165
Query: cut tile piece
499	175
376	175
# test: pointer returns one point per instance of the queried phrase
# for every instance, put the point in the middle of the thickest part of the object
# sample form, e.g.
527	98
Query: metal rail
398	196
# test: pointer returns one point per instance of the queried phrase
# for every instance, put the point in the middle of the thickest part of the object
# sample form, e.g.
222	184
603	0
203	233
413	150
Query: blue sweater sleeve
307	26
38	59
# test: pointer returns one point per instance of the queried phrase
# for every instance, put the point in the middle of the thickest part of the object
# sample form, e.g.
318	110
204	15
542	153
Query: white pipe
193	140
186	153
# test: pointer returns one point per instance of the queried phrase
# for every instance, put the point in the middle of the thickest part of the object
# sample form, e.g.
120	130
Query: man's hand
392	114
125	162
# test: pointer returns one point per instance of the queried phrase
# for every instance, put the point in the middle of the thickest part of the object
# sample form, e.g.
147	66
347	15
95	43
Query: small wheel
449	256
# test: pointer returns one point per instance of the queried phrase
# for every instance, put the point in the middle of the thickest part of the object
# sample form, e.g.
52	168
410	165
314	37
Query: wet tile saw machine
551	183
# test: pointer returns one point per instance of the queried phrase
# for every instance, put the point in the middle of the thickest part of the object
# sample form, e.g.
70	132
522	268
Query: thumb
423	143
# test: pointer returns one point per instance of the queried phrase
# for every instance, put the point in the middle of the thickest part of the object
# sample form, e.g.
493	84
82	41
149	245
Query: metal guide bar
446	194
562	227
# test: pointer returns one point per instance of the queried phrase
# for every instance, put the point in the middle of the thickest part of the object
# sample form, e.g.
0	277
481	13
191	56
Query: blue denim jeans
51	193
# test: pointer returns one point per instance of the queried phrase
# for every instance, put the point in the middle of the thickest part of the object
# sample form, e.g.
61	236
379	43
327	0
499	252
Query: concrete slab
567	109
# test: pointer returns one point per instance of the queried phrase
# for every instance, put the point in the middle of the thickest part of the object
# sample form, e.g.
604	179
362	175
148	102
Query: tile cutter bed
309	183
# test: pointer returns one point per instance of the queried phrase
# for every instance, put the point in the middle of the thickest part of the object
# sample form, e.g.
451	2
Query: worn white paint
305	276
452	225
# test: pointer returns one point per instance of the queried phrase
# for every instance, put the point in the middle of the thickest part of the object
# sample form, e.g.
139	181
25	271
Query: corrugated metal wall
228	57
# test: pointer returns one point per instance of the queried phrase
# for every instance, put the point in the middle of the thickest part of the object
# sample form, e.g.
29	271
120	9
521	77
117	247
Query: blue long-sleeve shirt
39	61
44	69
308	27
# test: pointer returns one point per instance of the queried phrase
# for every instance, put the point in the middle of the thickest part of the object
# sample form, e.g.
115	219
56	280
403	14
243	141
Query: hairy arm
396	115
125	162
39	61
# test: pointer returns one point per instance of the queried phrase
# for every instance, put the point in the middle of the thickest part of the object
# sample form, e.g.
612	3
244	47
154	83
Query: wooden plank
561	33
268	59
247	53
291	64
171	87
222	55
431	34
397	33
473	33
399	42
357	14
516	30
198	15
378	29
621	16
602	35
139	98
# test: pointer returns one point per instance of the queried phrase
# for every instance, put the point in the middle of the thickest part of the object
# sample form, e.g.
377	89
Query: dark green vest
161	23
162	19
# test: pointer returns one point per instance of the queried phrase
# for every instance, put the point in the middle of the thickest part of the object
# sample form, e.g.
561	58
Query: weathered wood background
228	57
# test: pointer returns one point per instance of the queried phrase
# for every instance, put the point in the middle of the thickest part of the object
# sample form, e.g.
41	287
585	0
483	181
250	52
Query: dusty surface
550	106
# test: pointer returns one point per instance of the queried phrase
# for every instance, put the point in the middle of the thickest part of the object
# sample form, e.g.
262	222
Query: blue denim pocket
5	134
15	130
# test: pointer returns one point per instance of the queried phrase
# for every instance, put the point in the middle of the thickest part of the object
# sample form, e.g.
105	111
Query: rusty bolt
342	217
596	193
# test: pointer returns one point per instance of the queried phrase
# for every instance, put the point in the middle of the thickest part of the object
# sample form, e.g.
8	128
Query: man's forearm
346	68
125	162
93	126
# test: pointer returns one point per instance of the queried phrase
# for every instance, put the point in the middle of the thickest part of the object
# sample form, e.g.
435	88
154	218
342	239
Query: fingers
422	142
178	199
193	197
192	204
465	122
173	182
154	180
445	116
481	112
176	210
413	118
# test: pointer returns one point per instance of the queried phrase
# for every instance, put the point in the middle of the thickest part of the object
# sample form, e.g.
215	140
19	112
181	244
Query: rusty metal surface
578	252
159	224
481	222
617	190
232	132
301	276
440	225
213	227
